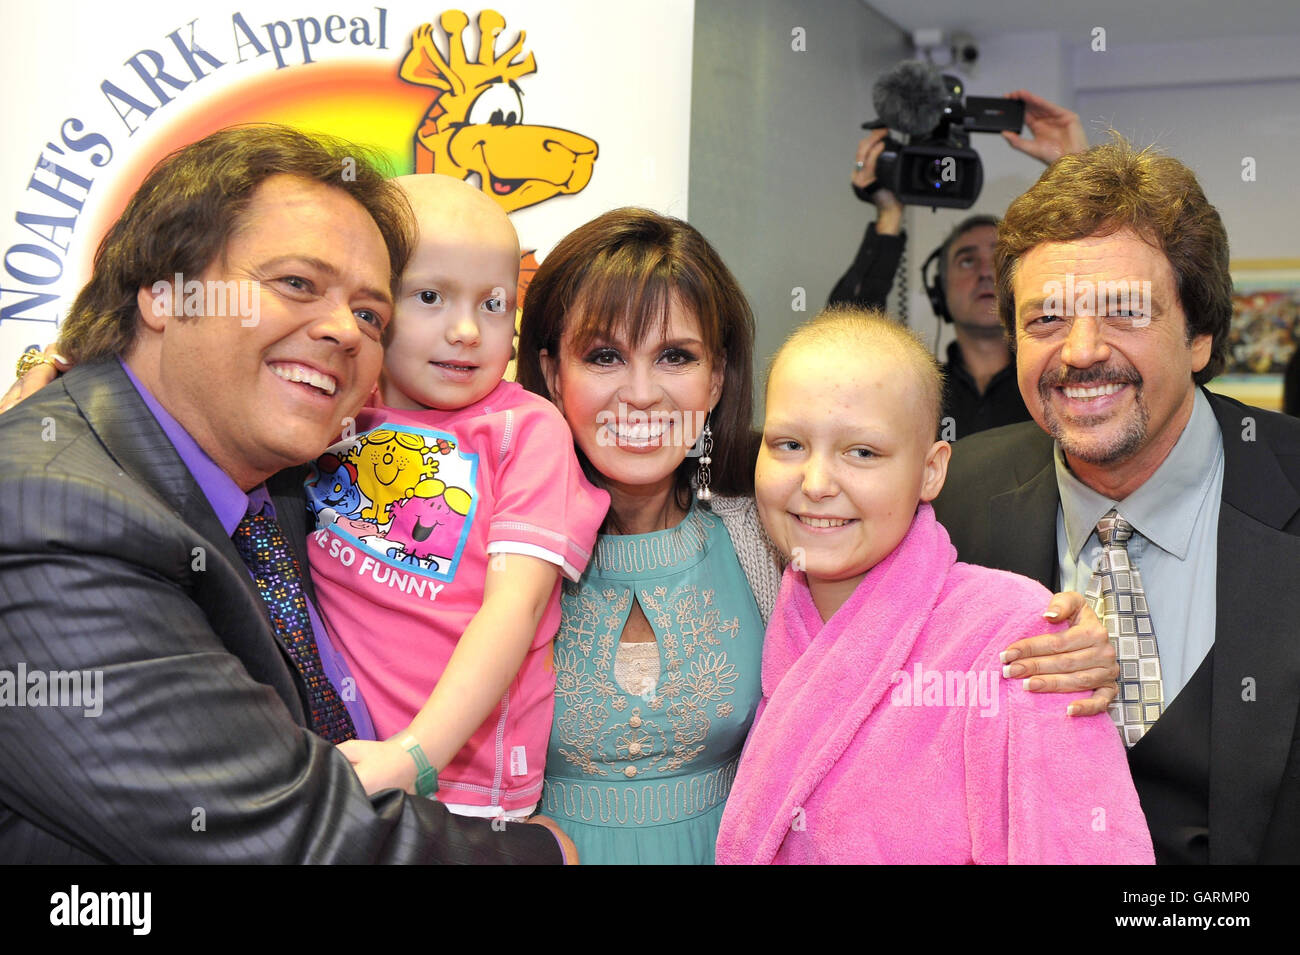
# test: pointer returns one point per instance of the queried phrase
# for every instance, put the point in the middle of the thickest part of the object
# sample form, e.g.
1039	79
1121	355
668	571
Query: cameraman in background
980	388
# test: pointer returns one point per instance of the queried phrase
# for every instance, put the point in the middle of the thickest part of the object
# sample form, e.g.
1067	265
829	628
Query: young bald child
444	523
885	733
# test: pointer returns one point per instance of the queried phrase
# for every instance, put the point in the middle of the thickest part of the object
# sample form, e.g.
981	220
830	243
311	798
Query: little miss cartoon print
405	495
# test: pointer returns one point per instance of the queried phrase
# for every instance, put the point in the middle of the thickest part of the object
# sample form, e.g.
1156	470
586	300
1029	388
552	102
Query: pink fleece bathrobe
887	735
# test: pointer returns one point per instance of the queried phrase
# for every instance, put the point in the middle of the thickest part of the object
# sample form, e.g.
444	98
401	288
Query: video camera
937	166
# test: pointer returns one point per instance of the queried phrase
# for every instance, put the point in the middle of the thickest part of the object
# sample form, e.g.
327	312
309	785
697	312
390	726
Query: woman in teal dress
647	735
630	326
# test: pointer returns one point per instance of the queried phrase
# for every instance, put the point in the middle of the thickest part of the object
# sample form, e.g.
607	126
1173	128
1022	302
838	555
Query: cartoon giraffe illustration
475	124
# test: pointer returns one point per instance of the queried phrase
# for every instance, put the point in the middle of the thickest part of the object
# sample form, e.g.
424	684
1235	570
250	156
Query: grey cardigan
759	558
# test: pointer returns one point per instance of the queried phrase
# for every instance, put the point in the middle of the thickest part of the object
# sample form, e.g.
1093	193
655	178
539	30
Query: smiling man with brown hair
155	528
1177	510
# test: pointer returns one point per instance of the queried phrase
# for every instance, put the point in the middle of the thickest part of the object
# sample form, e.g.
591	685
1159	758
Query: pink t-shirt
407	513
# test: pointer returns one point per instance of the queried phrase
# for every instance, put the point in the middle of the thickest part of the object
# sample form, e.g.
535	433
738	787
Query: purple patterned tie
275	571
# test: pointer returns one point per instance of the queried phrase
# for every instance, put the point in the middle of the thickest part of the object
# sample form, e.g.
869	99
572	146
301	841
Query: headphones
934	285
934	282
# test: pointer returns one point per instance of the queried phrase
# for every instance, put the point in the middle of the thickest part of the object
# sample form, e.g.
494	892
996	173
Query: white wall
773	134
1211	104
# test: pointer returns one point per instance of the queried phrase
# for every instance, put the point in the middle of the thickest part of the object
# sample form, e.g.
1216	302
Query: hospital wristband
426	777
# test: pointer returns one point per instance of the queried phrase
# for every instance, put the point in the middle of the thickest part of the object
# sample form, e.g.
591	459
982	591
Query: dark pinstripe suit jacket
200	752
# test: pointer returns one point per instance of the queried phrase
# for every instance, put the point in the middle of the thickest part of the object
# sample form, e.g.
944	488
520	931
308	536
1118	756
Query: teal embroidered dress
647	737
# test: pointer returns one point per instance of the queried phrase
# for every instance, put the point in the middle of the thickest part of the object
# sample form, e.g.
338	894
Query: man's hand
570	850
380	765
891	210
1080	658
1057	130
35	380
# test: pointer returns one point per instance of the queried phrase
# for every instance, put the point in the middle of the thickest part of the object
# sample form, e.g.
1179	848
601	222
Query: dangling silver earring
703	476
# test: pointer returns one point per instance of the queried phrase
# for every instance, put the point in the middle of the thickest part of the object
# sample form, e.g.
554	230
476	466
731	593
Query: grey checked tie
1116	595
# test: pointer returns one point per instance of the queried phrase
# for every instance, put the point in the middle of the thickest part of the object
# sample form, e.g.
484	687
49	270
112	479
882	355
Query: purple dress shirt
231	504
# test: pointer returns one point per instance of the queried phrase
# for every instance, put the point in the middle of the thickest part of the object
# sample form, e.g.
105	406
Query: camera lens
934	174
928	176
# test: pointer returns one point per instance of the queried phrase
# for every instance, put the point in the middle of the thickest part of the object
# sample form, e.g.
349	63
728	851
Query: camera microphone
910	98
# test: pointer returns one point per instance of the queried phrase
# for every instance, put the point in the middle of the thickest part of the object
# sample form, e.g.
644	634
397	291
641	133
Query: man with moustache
1176	509
154	529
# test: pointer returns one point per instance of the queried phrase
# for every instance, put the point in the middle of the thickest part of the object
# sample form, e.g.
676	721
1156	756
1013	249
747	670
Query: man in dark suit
165	690
1113	284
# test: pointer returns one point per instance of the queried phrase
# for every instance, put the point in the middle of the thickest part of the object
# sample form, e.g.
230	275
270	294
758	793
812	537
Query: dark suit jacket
1219	774
200	752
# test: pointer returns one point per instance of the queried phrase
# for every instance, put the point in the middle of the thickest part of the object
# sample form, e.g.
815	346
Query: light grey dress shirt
1175	518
